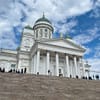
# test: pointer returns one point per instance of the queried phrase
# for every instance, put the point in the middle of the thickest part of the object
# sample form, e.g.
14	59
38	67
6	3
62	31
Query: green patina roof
28	27
68	37
43	19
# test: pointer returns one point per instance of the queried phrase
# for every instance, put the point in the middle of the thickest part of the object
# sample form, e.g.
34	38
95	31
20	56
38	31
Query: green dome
28	27
43	19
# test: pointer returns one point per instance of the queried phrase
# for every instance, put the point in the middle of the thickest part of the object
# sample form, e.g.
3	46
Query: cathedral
42	54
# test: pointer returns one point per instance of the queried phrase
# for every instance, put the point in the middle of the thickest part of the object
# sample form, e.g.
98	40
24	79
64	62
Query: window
46	30
45	34
49	35
27	42
59	71
41	31
41	58
36	33
13	65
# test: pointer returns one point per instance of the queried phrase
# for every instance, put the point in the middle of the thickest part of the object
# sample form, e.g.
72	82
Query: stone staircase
35	87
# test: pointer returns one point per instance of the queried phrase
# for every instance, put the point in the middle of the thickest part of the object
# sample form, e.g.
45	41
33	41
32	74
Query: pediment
64	43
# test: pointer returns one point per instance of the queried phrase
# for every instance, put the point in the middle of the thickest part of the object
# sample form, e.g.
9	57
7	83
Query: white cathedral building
40	53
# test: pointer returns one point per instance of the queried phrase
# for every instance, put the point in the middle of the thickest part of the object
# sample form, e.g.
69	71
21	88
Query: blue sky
78	18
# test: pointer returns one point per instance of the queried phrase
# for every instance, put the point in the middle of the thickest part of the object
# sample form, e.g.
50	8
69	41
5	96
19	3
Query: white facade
42	54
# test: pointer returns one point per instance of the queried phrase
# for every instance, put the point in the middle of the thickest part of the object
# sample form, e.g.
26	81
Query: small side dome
28	27
43	19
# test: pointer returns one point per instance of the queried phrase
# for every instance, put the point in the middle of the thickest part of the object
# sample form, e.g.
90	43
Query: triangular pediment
64	43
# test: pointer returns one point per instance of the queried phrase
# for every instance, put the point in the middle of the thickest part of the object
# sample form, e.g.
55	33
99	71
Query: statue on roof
67	36
61	35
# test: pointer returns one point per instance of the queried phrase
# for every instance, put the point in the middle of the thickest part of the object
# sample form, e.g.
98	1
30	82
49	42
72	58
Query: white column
57	64
79	67
32	65
38	61
48	62
75	64
83	67
67	65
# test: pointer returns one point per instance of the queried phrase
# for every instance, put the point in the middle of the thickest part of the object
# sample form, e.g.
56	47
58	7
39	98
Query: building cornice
66	40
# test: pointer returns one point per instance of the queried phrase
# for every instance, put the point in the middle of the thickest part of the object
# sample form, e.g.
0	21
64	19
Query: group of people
22	71
90	78
2	69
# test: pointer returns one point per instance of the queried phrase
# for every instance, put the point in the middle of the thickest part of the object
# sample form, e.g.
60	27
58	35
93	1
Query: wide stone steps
35	87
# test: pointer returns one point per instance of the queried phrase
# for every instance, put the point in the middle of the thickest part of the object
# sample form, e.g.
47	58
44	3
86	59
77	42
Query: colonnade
67	64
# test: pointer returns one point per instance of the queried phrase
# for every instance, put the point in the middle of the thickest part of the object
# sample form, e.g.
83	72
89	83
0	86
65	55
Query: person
21	71
3	70
18	71
83	77
37	73
77	76
97	77
90	78
0	69
25	70
13	70
10	71
48	72
93	76
70	76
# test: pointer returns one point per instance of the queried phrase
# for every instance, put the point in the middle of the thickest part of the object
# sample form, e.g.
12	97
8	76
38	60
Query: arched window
36	33
49	34
46	30
41	31
27	42
46	35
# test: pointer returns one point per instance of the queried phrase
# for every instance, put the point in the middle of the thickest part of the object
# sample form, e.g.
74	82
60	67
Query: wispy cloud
96	9
15	13
95	64
97	51
65	27
88	50
87	36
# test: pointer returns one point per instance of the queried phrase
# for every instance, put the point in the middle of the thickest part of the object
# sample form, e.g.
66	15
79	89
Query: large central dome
43	28
43	19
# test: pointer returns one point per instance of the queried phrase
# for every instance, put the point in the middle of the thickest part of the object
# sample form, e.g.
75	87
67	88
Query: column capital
47	51
38	49
75	56
56	52
80	56
66	54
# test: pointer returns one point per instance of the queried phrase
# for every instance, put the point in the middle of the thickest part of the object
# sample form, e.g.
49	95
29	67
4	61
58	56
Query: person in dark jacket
25	69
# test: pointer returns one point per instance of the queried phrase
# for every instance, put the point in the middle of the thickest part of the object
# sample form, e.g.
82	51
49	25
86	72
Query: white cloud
60	10
56	11
96	9
88	36
65	28
88	50
97	51
7	36
95	63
